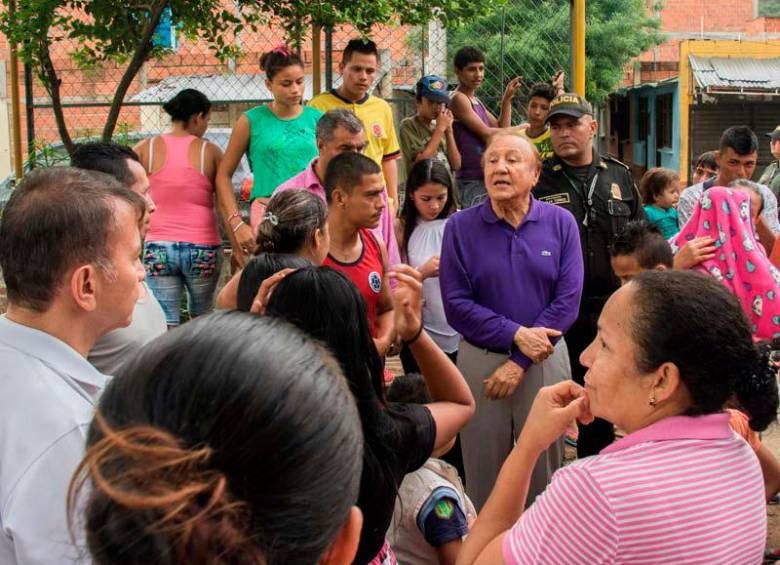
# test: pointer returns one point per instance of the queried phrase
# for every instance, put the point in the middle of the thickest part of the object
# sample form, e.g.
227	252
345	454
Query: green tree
123	32
535	42
769	8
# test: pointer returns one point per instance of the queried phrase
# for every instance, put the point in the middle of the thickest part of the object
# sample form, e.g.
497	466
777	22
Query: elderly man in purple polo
339	131
511	276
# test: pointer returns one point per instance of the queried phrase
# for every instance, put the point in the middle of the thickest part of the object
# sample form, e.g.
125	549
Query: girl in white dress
420	229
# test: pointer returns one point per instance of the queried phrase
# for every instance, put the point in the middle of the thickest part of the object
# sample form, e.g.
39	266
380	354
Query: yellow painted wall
726	48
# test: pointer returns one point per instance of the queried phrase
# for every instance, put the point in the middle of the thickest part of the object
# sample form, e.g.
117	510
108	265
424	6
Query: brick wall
693	19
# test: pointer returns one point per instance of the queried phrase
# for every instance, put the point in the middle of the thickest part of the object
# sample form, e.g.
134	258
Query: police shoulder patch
444	509
611	159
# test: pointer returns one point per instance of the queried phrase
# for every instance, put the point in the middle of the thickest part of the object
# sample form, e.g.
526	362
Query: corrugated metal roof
226	88
733	74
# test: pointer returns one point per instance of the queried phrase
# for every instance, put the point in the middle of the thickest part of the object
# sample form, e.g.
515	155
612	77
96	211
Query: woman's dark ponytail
187	103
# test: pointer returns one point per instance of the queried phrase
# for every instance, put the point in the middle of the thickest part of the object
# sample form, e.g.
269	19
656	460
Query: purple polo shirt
309	180
495	278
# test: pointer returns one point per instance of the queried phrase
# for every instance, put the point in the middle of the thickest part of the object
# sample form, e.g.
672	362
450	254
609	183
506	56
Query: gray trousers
490	435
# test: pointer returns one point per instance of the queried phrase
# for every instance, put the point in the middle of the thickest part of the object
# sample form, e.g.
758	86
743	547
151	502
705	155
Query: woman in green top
278	138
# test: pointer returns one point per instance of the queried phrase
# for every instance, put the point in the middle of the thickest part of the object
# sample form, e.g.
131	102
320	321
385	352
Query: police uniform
771	175
603	203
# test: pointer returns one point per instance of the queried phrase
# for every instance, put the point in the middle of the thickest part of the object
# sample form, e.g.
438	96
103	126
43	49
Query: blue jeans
172	266
472	192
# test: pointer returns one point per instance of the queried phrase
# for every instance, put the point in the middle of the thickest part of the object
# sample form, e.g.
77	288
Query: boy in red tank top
353	188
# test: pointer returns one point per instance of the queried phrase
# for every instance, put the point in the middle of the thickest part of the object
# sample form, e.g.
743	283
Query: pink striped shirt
682	490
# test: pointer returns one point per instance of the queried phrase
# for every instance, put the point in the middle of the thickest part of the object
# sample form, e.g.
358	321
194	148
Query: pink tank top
184	197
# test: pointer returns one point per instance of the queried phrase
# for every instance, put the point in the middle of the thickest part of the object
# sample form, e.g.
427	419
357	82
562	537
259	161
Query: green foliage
536	42
106	30
297	17
123	32
769	8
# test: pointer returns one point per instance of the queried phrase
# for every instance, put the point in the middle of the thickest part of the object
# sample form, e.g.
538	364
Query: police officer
771	175
601	193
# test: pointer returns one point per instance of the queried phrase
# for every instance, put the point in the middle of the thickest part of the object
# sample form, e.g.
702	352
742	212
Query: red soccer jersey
366	274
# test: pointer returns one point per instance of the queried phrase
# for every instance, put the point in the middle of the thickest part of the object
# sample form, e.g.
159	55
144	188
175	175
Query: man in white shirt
116	347
69	252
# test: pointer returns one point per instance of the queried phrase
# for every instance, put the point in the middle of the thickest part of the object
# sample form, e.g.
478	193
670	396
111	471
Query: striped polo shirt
682	490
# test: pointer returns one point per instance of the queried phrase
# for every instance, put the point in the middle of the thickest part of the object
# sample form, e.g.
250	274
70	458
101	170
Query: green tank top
279	149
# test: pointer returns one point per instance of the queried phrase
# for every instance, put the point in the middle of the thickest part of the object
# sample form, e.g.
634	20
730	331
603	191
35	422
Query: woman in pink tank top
183	246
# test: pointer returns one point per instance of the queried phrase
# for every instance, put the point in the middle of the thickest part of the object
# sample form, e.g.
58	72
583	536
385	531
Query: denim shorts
172	266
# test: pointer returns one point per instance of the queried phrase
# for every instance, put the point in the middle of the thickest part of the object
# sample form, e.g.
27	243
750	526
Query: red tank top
366	274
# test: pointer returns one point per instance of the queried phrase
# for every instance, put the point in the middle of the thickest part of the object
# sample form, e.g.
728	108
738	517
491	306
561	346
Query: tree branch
141	54
52	85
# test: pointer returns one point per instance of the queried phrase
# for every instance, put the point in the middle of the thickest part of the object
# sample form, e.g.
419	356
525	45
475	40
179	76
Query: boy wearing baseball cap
428	134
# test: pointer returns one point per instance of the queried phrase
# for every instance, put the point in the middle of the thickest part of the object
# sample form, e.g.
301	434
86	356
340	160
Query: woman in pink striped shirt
672	348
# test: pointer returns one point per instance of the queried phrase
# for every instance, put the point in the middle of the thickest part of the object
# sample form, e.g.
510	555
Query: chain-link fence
528	38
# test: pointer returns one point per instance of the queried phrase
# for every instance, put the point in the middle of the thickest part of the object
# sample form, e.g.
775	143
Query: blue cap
434	88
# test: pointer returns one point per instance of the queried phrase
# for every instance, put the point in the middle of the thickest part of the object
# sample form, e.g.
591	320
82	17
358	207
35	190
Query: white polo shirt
47	399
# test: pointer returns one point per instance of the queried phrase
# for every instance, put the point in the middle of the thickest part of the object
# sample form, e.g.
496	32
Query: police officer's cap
775	134
569	104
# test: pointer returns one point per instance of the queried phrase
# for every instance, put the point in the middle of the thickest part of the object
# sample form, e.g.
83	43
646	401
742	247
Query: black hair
410	388
291	219
467	55
358	45
695	322
107	157
646	243
708	159
542	90
654	182
345	171
57	219
260	268
187	103
423	172
325	304
277	60
739	138
212	443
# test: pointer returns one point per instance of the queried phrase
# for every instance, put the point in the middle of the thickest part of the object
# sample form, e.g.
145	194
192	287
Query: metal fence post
316	52
29	101
15	112
328	58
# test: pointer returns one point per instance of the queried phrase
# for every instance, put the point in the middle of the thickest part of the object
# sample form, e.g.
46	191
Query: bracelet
238	225
235	214
415	337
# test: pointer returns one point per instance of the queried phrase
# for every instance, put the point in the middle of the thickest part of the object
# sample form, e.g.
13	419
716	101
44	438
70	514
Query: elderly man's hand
535	343
503	381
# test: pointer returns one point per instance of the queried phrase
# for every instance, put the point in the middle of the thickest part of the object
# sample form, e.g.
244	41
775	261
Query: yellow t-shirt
377	118
542	142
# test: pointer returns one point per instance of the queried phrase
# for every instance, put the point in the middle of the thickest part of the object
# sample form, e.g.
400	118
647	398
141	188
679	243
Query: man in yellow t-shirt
358	66
537	131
